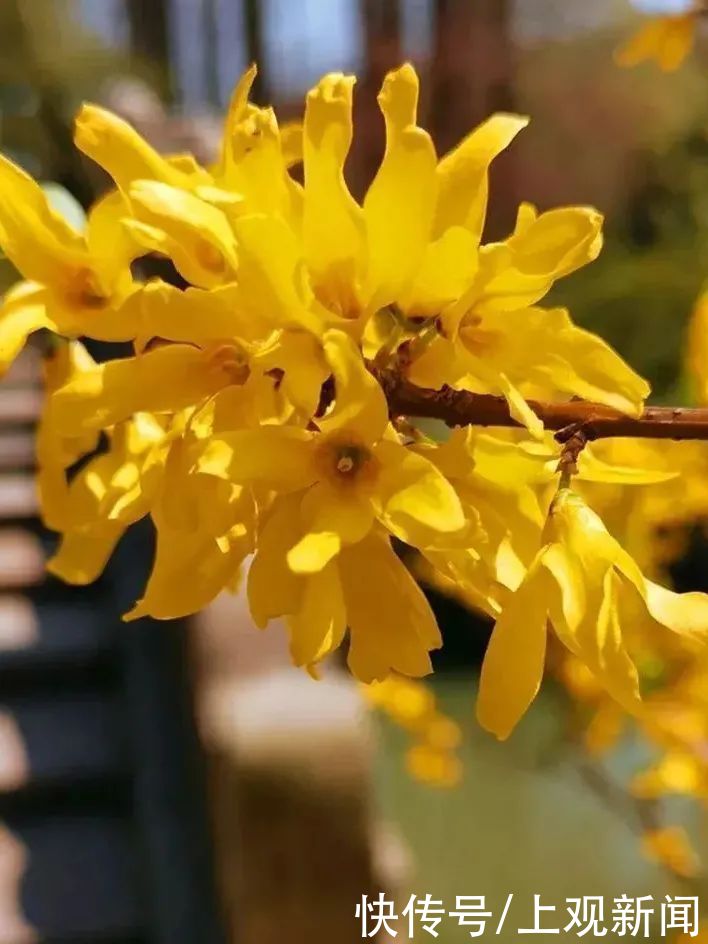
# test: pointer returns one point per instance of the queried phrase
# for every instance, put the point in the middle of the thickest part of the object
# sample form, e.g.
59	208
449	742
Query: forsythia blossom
665	39
249	424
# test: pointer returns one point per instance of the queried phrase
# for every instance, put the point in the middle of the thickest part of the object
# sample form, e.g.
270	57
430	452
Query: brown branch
592	420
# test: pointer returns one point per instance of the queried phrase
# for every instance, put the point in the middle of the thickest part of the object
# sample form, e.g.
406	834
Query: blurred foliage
633	143
45	52
48	64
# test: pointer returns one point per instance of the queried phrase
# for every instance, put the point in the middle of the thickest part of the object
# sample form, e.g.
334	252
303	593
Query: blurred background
180	782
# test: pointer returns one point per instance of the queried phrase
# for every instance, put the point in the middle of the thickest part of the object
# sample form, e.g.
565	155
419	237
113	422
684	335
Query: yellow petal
519	408
118	148
197	236
391	625
333	227
591	468
579	362
463	174
359	405
678	41
400	202
542	349
300	356
671	846
237	112
34	237
667	39
332	519
273	589
446	271
513	664
272	278
160	310
292	135
188	572
318	625
165	379
521	271
112	250
417	503
83	554
573	597
684	613
277	456
22	313
614	666
253	162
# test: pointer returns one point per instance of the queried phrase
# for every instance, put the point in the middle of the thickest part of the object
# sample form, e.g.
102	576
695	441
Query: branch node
573	445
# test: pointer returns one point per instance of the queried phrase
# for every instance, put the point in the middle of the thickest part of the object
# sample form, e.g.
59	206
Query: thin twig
568	419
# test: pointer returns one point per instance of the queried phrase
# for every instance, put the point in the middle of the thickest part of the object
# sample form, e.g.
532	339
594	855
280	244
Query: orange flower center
344	463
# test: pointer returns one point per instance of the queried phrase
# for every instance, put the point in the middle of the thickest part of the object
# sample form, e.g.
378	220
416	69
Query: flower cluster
412	705
658	524
249	422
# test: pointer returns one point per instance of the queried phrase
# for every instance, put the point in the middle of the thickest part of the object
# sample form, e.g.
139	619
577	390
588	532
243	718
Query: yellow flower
500	482
323	559
493	340
252	167
665	39
412	243
676	772
412	705
196	560
248	419
365	589
102	500
194	234
165	379
75	282
353	469
56	452
581	581
672	847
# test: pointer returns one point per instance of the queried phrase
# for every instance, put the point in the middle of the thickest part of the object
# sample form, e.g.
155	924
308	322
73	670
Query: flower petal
198	237
276	456
359	405
272	278
400	202
318	625
273	589
684	613
23	312
84	552
164	379
35	238
463	174
188	572
448	266
332	519
417	503
391	624
118	148
544	248
333	224
513	664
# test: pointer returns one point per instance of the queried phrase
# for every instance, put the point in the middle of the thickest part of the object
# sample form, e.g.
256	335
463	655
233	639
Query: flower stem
594	420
